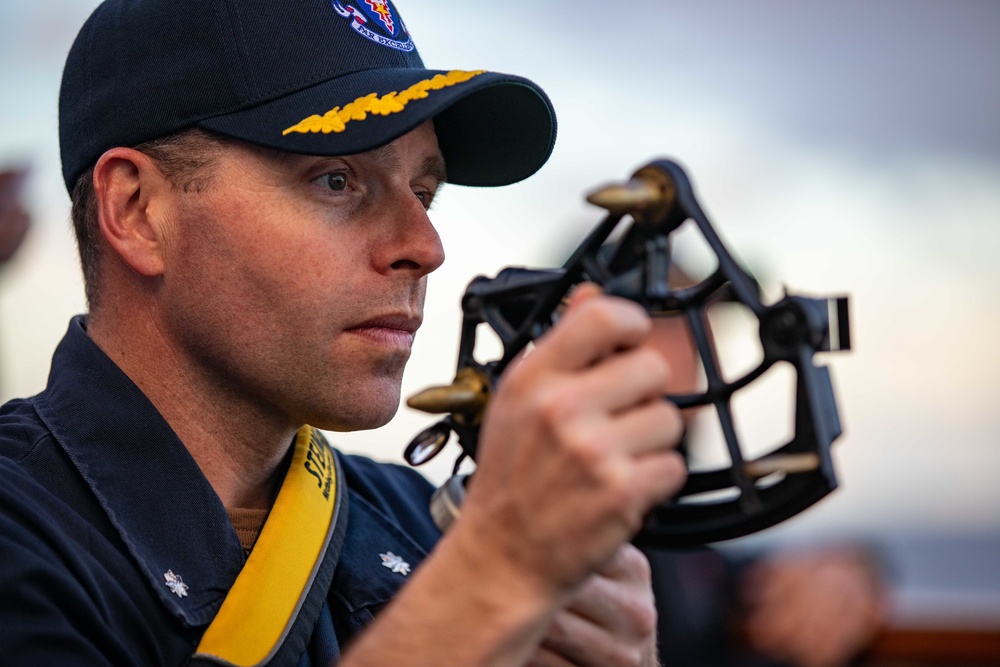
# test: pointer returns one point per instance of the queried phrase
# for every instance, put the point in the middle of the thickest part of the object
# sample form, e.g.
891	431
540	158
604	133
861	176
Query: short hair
182	157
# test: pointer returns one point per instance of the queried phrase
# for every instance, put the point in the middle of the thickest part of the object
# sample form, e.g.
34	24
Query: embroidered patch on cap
336	119
374	18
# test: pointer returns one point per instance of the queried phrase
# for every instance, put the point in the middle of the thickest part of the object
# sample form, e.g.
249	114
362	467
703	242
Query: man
250	185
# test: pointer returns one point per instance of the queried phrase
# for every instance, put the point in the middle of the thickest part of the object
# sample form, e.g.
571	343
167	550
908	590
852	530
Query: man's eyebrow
386	154
432	165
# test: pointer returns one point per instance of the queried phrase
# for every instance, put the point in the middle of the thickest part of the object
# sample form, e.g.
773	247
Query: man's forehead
422	142
418	147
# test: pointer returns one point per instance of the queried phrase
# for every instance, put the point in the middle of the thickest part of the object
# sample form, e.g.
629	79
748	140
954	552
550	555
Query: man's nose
413	243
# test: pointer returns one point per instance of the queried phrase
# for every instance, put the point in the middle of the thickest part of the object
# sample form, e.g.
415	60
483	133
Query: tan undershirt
248	524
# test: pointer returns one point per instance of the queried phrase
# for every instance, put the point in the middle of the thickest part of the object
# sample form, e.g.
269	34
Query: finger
654	426
659	475
585	644
593	329
628	563
581	293
623	380
620	596
545	657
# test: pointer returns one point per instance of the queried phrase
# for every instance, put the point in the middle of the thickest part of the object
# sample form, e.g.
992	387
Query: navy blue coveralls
99	500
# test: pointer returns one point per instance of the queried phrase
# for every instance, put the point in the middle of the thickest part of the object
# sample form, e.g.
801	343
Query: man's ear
126	183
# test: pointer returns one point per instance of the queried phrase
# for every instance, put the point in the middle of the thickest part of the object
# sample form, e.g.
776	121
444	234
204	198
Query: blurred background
844	147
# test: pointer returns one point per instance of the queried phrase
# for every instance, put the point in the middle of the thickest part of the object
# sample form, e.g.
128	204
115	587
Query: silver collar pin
175	584
395	563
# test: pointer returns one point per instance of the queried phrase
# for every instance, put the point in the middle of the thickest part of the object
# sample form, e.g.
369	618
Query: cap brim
493	129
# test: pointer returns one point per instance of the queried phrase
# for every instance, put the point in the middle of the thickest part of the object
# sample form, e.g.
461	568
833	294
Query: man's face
294	284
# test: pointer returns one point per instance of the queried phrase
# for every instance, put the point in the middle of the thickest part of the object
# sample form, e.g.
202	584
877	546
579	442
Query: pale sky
839	147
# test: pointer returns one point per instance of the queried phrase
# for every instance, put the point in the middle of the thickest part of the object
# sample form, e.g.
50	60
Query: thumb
581	293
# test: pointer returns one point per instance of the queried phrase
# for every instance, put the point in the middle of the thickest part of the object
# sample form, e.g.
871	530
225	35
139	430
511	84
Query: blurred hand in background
813	609
14	218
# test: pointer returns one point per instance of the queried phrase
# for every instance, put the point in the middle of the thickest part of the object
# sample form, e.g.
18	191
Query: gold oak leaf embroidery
336	119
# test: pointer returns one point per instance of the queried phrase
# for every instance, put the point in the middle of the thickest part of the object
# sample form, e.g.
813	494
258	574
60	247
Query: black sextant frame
520	304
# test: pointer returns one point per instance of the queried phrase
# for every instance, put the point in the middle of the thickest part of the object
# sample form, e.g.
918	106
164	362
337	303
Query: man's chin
367	415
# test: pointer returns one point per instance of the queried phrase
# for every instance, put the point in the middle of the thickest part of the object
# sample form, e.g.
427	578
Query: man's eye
426	197
333	181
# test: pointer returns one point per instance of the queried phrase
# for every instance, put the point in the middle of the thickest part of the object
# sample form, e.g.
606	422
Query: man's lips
388	329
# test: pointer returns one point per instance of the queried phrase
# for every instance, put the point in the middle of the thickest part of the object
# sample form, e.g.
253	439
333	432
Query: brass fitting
465	398
649	194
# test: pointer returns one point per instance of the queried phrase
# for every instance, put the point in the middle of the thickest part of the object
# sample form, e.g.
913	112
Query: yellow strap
262	605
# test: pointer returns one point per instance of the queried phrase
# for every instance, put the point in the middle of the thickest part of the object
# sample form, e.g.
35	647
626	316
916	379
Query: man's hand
576	446
14	218
813	610
610	622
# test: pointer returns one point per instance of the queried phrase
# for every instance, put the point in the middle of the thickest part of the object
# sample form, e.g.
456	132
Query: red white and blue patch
376	20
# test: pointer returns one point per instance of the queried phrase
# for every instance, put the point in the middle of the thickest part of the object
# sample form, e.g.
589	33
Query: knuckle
635	561
557	631
586	448
626	656
642	615
678	466
617	479
632	510
654	365
555	407
677	473
633	523
604	313
670	419
672	474
519	377
622	501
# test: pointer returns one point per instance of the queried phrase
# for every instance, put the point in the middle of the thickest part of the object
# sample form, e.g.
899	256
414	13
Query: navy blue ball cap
318	77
